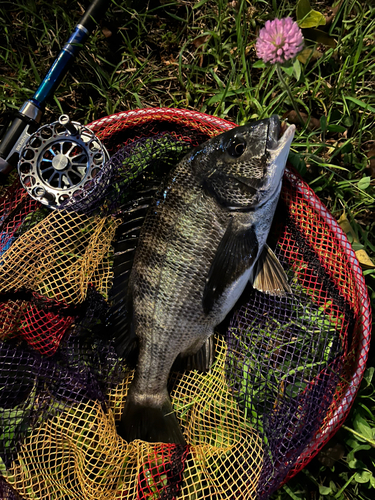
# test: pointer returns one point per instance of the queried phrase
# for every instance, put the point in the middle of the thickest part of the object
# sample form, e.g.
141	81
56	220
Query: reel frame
59	162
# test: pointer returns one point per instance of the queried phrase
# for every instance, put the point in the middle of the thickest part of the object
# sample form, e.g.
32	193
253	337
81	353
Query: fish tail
150	423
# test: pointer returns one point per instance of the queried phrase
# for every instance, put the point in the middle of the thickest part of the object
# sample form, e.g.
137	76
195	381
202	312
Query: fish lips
278	150
273	134
275	137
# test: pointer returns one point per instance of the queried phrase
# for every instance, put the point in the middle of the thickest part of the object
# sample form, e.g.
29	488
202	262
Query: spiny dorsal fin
269	276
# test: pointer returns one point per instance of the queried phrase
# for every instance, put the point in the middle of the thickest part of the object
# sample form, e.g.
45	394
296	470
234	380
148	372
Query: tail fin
152	424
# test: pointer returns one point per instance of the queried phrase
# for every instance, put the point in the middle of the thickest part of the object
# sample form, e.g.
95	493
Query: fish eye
236	147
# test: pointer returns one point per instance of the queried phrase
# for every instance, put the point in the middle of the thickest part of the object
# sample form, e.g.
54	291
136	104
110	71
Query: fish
203	239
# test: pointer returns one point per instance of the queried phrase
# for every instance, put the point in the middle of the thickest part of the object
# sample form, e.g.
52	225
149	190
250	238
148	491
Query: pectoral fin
235	254
269	276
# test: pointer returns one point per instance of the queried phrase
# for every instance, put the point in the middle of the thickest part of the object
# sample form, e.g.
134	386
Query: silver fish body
198	248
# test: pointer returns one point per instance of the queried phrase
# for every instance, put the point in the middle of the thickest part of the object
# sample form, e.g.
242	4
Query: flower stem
361	436
290	95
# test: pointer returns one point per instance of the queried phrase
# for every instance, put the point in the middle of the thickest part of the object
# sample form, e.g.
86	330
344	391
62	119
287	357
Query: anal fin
202	360
268	275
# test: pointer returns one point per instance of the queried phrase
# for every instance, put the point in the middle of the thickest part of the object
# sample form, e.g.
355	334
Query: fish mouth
279	139
280	135
274	129
287	133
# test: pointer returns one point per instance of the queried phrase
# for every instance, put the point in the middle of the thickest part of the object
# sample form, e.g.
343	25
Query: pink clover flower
279	41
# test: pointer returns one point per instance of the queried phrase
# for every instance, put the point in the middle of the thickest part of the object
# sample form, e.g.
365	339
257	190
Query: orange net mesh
60	257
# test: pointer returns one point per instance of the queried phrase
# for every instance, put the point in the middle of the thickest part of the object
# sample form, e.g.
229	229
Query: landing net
286	369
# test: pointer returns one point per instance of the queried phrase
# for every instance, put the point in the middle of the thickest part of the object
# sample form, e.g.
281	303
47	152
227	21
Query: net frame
343	408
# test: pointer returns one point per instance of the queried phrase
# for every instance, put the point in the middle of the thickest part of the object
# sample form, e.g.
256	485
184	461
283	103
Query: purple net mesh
285	381
35	387
7	492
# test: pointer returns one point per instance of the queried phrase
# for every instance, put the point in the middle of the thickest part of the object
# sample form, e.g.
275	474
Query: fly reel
60	161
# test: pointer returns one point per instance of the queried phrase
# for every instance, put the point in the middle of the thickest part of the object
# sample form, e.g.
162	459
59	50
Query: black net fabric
7	492
284	372
34	387
286	355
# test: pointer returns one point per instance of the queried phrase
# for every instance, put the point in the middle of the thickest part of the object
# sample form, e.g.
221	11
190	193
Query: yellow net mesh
78	454
60	257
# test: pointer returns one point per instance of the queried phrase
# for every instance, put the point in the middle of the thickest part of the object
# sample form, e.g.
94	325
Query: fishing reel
61	162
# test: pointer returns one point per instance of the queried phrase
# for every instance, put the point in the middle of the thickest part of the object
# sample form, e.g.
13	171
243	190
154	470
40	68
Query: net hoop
194	118
365	308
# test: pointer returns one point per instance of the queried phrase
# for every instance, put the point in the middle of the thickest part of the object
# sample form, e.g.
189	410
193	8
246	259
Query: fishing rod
27	120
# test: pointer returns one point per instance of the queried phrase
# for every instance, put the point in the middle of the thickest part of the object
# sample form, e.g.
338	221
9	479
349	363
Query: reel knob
59	163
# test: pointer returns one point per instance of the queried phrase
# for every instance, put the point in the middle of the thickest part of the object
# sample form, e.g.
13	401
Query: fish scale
198	245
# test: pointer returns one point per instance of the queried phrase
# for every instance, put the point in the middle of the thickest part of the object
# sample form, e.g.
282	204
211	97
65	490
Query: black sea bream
199	246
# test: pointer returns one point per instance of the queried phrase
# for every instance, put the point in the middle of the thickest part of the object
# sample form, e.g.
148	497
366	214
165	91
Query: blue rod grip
30	115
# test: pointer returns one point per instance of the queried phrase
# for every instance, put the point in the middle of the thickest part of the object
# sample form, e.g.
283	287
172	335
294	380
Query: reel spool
59	162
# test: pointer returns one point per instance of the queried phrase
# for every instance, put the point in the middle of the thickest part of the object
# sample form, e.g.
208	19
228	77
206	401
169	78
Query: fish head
243	168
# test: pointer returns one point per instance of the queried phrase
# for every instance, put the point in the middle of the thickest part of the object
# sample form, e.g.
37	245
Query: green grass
200	55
